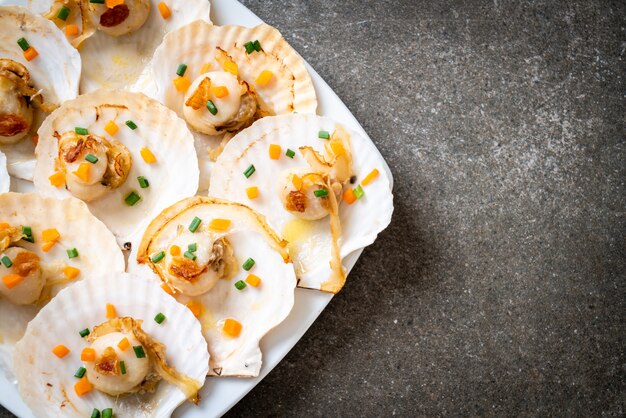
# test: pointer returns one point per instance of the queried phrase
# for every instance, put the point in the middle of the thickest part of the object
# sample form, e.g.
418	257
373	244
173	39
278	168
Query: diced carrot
195	308
349	197
220	224
206	68
112	3
123	344
83	171
274	151
4	225
220	91
252	192
253	280
30	54
111	312
370	177
83	386
12	280
88	354
57	179
47	246
174	250
167	289
264	78
147	155
35	139
232	327
181	83
296	181
60	351
71	272
111	127
71	30
50	235
231	67
164	10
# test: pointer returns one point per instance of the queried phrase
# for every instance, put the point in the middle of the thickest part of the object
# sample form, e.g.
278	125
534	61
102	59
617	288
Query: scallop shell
46	382
98	252
195	45
5	180
310	241
56	71
258	309
174	176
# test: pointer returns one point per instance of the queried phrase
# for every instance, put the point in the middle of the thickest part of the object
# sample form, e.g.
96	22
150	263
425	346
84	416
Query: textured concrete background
499	288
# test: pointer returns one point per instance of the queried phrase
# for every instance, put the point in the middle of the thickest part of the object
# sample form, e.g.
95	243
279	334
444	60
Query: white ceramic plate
220	394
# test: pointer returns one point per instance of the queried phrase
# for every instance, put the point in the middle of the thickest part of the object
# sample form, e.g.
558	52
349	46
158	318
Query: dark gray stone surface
499	287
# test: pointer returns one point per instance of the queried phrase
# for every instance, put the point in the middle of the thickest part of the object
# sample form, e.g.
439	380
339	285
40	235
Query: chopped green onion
159	318
158	257
80	372
181	69
321	193
83	333
28	234
23	43
290	153
72	253
192	248
139	353
257	46
189	255
81	131
323	134
240	284
6	261
132	125
95	413
107	413
91	158
249	171
247	265
358	192
63	13
132	198
97	1
143	182
122	367
195	223
211	106
249	47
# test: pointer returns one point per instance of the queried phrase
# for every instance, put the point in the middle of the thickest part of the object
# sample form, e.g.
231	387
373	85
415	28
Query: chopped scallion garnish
290	153
240	284
358	192
80	372
91	158
97	1
321	193
81	131
323	134
132	125
143	182
63	13
159	318
158	257
122	367
27	232
257	46
83	333
192	247
181	69
23	43
72	253
189	255
139	353
6	261
249	47
95	413
195	223
107	413
132	198
249	171
247	265
211	106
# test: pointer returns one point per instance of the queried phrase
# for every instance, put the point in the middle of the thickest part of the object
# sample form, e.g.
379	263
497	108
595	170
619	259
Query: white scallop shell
310	245
56	71
258	309
173	177
98	252
195	44
46	382
5	180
